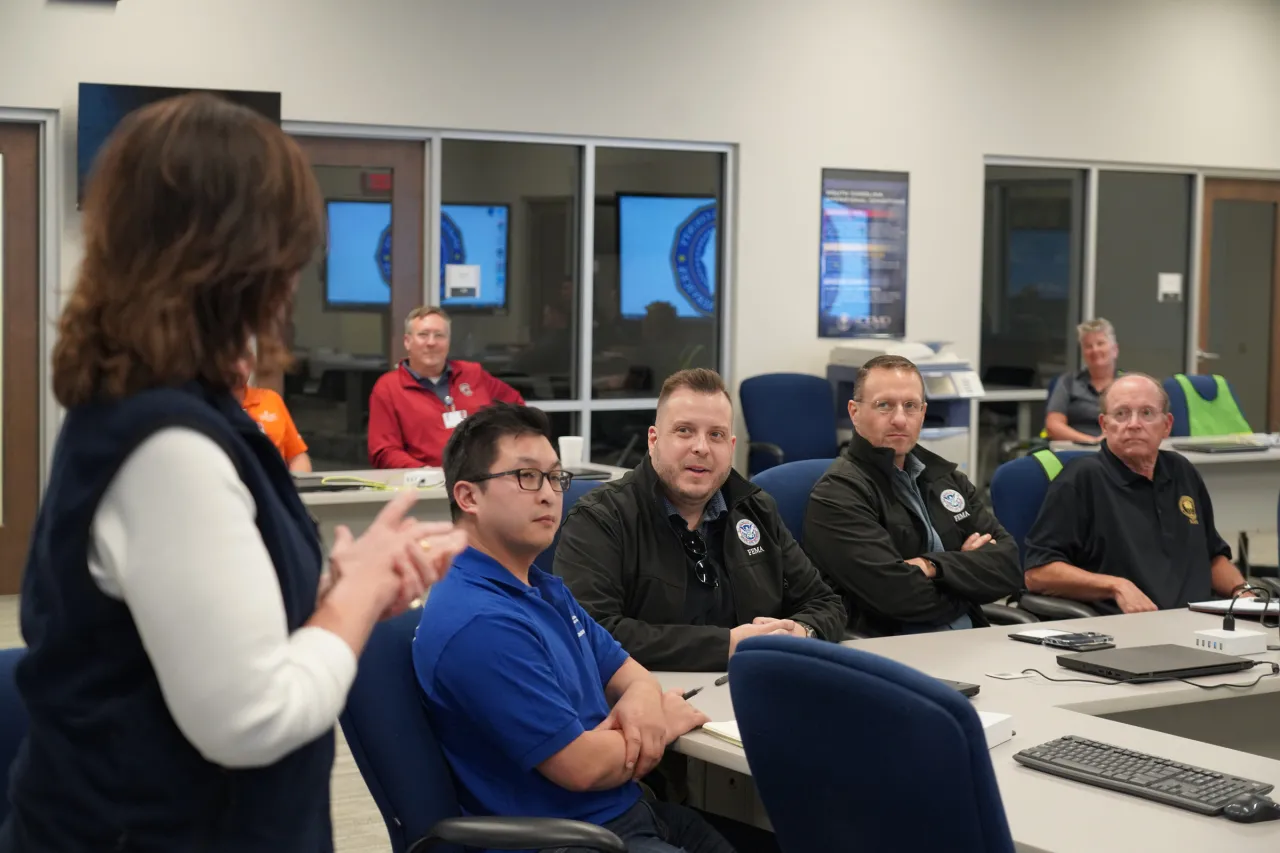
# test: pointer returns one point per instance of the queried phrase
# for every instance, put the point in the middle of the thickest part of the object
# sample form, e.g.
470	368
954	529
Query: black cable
1229	620
1275	671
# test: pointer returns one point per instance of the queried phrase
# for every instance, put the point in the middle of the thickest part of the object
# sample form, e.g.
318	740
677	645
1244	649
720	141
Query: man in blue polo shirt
539	711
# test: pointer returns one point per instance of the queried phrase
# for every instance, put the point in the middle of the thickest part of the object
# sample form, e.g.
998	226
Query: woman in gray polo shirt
1072	411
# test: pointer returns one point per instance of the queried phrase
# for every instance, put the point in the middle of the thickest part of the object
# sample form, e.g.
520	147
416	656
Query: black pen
720	682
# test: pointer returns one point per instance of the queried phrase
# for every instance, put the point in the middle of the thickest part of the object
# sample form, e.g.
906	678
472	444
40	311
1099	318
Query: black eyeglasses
696	547
530	479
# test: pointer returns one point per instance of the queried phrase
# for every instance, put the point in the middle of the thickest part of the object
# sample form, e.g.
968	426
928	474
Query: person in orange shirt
268	409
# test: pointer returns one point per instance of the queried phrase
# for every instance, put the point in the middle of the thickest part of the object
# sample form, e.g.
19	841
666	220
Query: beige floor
357	826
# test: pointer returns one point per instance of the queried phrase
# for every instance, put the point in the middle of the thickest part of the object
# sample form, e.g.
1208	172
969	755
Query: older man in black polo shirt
1130	528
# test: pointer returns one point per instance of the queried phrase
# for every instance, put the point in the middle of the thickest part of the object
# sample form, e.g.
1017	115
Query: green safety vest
1050	462
1219	416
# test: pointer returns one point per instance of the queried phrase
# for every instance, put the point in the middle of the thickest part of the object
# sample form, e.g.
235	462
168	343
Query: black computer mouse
1251	808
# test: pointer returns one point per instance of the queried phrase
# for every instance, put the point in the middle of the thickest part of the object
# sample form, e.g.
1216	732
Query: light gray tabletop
1006	394
1050	814
1270	455
394	478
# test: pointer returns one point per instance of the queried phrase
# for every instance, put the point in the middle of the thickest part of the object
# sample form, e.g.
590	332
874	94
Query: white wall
924	86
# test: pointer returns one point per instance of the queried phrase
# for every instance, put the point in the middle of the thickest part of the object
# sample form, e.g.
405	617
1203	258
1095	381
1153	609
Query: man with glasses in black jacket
683	558
898	530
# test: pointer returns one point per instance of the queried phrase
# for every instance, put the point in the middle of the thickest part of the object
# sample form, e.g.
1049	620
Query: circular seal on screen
748	533
952	500
453	249
382	257
693	238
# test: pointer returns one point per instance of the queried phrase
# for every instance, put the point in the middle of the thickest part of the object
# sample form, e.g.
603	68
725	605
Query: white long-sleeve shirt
175	539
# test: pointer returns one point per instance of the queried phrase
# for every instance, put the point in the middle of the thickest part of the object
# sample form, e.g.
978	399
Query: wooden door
1238	333
20	394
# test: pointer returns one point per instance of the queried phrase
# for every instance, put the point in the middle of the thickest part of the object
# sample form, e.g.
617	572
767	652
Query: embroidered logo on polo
1188	508
748	533
465	389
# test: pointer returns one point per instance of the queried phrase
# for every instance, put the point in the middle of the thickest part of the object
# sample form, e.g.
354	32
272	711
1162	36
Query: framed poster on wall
862	263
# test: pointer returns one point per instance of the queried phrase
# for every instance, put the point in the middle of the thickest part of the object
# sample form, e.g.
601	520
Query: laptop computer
1153	663
1225	446
966	689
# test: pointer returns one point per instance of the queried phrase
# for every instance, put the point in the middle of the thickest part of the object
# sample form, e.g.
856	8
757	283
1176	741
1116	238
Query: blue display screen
473	237
358	269
103	105
1040	261
667	253
845	227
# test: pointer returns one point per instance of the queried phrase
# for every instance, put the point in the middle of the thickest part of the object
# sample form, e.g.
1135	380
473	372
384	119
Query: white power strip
424	478
1238	642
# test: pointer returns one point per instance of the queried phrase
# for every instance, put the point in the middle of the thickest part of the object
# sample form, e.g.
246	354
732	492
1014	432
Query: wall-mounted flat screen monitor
475	242
667	251
358	266
103	105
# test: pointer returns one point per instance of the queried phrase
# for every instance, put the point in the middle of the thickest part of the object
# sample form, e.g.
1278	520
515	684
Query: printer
950	382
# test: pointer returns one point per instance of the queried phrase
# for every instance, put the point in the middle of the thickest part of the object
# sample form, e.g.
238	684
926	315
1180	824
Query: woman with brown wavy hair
186	660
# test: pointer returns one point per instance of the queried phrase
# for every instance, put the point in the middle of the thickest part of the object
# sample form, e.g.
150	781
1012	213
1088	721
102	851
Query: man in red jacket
414	408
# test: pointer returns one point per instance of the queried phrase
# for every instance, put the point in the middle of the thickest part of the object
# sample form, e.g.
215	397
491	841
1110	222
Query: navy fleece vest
104	766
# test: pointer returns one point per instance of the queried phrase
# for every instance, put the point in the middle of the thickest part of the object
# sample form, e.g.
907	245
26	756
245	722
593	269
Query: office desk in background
1024	397
1232	731
356	508
1244	487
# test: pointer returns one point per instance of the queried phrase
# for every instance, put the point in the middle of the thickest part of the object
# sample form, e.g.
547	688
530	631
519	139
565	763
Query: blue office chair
1017	491
547	559
790	485
390	737
13	721
890	759
789	417
1206	386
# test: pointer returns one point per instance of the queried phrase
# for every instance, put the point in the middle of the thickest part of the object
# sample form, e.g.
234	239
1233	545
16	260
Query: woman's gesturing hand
397	556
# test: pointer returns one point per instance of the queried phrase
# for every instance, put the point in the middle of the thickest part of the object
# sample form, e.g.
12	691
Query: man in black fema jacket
683	558
896	529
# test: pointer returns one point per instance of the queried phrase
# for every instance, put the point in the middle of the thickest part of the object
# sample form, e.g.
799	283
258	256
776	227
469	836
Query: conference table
1244	487
1228	730
356	508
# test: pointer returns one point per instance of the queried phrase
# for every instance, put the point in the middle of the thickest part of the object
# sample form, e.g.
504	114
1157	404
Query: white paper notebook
727	731
997	727
1244	606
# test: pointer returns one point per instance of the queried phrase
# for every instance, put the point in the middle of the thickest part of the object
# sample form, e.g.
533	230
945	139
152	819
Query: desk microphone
1229	620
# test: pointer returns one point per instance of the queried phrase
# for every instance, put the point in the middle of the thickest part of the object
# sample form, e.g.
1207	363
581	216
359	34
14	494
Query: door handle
1206	356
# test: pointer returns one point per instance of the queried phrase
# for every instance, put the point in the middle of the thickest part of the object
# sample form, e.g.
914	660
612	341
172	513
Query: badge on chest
953	502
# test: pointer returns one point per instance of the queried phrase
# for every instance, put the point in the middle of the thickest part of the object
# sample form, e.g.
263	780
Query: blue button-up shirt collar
715	509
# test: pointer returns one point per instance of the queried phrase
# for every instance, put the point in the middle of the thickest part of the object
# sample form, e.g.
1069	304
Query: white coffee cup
570	451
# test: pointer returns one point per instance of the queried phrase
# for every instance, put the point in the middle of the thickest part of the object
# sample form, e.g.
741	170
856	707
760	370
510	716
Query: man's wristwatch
808	629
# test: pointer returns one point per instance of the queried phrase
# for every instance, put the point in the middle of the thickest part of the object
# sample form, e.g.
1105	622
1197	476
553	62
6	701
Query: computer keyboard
1193	788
